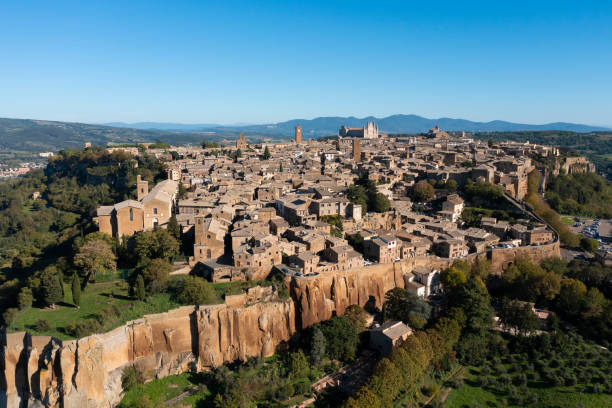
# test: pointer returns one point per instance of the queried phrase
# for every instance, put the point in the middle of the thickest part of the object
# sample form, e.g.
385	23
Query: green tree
280	167
266	153
298	364
51	287
380	203
9	315
341	338
571	296
192	290
317	346
158	243
131	376
451	185
518	317
357	316
475	301
588	244
25	298
182	191
357	195
386	382
401	304
76	290
452	278
173	227
141	293
94	257
422	191
155	273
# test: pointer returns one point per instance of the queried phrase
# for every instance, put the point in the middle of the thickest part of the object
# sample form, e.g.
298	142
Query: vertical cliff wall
87	372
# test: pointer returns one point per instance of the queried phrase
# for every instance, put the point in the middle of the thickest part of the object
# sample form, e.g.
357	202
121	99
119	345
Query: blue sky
264	61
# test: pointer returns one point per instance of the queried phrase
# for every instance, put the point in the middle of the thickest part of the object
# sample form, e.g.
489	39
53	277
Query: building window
155	211
131	215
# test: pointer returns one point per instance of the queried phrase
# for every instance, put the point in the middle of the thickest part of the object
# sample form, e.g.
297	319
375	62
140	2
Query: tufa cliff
40	371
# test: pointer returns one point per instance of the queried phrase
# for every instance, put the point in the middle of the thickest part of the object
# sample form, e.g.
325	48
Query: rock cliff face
318	298
42	371
87	372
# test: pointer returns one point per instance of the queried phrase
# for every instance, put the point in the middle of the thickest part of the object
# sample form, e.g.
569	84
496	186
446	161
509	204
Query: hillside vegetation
542	208
39	136
38	234
588	195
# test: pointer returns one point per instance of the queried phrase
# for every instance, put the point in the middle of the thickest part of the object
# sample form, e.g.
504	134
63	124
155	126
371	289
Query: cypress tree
76	290
51	287
141	294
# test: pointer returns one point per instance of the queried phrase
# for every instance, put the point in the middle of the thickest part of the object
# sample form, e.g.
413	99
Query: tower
241	142
142	187
298	134
356	150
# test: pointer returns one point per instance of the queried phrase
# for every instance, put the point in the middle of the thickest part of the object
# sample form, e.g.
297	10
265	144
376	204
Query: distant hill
326	126
41	135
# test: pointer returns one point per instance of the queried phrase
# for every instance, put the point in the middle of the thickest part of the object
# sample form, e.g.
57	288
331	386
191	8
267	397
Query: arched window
131	215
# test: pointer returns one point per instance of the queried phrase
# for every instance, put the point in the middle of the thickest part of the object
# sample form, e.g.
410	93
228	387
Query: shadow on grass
116	296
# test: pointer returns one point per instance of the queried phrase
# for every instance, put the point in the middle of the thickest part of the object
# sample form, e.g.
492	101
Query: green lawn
96	297
470	394
568	220
109	296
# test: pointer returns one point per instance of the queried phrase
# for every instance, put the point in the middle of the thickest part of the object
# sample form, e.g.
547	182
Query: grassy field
472	394
96	297
109	297
568	220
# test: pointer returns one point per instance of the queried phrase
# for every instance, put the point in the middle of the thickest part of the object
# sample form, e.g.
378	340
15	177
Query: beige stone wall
164	212
128	227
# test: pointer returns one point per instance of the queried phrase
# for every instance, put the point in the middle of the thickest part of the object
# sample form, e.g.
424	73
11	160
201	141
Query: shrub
155	273
83	328
25	298
192	290
131	376
42	325
9	315
520	379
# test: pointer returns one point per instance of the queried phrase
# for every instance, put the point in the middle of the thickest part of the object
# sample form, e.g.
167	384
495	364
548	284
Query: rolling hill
27	135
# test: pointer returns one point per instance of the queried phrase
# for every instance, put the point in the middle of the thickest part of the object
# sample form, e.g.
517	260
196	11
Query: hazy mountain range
326	126
41	135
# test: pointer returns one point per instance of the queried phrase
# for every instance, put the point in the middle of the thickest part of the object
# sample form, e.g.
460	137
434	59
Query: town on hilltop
319	206
183	273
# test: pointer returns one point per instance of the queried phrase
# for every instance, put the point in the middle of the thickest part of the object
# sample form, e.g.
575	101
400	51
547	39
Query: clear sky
259	61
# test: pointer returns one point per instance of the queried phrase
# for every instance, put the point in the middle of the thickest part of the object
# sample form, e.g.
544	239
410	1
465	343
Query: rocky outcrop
87	372
318	298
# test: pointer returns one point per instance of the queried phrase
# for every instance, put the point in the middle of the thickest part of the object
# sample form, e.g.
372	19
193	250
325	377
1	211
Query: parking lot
601	230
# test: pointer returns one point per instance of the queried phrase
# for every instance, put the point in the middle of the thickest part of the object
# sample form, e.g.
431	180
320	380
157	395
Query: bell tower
142	187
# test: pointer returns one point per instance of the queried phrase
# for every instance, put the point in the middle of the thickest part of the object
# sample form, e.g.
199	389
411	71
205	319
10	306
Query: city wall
43	371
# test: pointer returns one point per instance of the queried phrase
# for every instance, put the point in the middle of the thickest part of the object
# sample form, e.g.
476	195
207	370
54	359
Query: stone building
152	209
209	242
298	134
369	131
